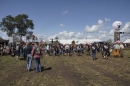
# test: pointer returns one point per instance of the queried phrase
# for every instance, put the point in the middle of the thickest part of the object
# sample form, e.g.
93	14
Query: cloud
126	28
107	20
65	12
67	35
94	28
62	25
100	22
98	33
1	32
3	35
79	35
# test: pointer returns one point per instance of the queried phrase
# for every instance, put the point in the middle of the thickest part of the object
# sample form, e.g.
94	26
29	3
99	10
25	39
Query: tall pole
117	34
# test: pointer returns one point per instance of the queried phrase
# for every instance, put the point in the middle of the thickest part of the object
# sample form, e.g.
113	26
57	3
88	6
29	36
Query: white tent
127	41
79	41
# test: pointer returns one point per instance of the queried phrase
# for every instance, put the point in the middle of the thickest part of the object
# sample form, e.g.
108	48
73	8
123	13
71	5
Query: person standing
17	51
37	53
48	49
24	52
78	50
29	56
94	51
1	50
105	51
121	50
13	49
67	50
116	50
7	50
4	49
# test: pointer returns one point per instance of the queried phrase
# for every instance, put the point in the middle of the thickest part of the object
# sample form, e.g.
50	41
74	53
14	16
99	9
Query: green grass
67	71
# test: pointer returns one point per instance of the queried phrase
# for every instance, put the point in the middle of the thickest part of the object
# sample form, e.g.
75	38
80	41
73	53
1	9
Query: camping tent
127	41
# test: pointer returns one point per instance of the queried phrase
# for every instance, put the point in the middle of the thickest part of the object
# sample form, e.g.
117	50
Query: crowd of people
30	51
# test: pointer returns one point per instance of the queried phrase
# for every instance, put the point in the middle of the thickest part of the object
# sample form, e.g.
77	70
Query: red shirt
36	55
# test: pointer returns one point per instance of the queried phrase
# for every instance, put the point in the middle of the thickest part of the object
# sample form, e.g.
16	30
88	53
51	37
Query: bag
105	47
37	50
93	49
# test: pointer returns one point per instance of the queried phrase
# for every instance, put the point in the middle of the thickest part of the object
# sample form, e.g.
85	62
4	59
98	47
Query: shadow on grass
46	68
22	59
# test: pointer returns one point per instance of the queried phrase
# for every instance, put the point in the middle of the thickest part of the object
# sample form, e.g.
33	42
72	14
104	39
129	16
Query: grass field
67	71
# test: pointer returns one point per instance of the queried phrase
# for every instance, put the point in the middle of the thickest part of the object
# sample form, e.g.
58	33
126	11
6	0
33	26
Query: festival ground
67	71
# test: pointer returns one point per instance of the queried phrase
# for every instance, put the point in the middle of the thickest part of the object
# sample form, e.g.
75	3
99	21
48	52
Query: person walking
29	56
37	53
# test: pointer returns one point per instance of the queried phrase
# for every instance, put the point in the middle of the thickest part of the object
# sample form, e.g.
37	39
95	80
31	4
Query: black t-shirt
93	49
29	49
105	48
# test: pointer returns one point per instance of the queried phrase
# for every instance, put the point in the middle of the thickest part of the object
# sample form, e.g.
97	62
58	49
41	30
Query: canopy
127	41
80	41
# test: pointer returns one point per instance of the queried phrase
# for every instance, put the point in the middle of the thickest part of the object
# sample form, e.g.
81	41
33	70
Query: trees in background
8	25
73	42
19	25
1	38
109	40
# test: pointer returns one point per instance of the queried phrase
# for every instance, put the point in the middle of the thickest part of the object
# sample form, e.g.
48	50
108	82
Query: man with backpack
37	53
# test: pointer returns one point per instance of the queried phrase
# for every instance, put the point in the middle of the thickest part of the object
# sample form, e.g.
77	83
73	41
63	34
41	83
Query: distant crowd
35	51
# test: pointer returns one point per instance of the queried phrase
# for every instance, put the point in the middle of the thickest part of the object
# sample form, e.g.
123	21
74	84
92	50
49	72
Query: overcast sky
71	19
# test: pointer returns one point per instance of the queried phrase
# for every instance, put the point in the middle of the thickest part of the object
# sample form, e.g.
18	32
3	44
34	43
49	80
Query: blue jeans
37	64
78	52
29	61
94	55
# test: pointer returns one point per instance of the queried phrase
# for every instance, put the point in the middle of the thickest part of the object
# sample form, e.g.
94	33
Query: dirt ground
66	71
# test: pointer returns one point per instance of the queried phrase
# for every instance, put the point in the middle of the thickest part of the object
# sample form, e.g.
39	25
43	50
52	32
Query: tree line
20	25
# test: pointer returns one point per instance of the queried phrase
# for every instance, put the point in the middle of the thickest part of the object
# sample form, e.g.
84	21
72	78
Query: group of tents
78	41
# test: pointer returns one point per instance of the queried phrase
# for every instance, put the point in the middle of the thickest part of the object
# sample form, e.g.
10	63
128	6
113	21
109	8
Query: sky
71	19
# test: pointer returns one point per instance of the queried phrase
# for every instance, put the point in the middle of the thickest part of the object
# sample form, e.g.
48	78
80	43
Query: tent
127	41
79	41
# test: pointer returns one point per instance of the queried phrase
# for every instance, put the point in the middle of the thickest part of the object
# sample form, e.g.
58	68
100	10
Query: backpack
37	50
93	49
105	47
